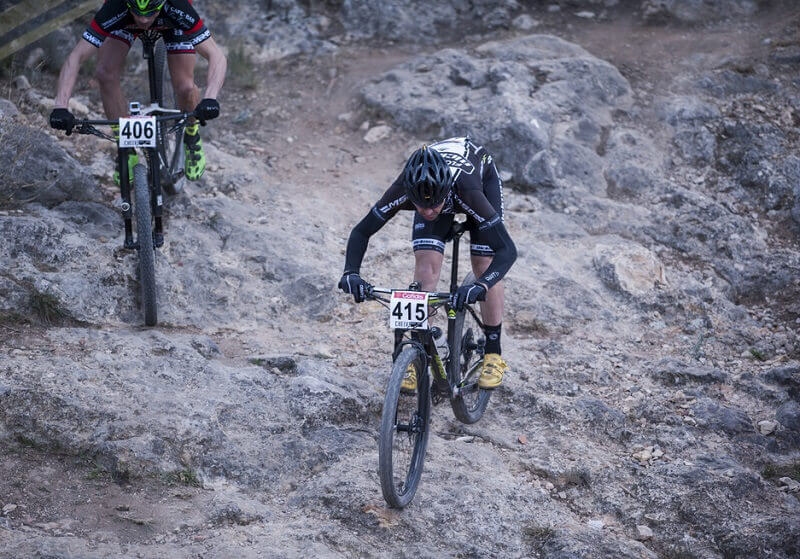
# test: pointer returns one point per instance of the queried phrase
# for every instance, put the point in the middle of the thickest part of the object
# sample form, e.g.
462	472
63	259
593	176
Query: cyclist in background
438	181
184	35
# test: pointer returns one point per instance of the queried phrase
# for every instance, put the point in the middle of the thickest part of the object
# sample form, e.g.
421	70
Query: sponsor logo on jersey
428	244
201	37
113	20
458	163
393	204
92	39
180	15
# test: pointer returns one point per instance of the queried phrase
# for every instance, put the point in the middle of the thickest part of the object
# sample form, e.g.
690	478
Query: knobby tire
144	234
470	404
404	431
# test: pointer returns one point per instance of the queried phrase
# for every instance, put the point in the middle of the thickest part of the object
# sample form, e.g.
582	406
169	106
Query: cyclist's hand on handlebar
206	110
468	294
352	283
62	119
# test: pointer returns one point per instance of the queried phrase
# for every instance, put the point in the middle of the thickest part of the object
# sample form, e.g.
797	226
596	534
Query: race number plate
408	310
137	132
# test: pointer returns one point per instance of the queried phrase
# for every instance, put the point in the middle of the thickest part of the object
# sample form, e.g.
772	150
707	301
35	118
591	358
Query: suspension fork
156	194
125	193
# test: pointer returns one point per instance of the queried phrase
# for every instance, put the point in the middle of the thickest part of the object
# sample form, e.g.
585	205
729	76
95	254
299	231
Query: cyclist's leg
482	254
493	367
428	242
492	307
181	59
110	65
181	71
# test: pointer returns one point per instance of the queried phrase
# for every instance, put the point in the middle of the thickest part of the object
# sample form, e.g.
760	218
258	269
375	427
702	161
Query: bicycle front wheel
470	402
144	234
404	431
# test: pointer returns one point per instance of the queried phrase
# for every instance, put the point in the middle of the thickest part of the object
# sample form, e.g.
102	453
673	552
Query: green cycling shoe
195	162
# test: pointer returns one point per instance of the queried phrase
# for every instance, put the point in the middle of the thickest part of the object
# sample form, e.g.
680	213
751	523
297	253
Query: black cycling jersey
477	192
180	24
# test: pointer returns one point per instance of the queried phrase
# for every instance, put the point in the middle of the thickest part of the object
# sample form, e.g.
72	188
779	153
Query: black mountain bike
455	368
158	132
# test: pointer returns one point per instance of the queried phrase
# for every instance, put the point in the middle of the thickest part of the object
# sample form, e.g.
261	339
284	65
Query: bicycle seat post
456	230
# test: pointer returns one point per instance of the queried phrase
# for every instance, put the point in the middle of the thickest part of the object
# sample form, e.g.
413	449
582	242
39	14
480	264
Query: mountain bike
454	365
158	132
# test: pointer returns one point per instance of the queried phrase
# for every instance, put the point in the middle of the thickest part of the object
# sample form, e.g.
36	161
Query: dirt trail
303	120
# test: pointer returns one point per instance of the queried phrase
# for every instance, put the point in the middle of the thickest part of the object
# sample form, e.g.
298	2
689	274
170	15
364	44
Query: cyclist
442	179
184	34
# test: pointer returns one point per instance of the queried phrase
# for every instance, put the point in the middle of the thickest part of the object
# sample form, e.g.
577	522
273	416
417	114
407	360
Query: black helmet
428	178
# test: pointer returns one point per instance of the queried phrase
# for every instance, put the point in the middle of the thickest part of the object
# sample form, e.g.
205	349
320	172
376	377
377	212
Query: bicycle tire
144	234
470	403
170	148
404	431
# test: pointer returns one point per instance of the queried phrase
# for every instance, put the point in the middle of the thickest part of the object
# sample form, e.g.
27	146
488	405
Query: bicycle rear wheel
471	401
404	431
170	148
144	237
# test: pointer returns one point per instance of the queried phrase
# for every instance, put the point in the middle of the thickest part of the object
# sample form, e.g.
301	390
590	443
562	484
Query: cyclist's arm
217	66
359	239
490	223
69	72
392	201
505	251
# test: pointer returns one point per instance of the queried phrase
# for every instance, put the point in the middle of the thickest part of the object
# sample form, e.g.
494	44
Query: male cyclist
184	34
442	179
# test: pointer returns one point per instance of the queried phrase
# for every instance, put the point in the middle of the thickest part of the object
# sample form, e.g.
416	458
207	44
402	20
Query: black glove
62	119
468	294
206	110
352	283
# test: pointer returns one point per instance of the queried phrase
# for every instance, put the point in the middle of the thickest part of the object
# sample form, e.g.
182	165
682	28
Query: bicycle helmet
427	178
145	8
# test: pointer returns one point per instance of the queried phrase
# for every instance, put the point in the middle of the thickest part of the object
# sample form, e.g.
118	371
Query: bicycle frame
444	370
87	126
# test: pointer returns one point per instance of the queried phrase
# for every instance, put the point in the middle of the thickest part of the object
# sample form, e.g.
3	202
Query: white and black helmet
427	178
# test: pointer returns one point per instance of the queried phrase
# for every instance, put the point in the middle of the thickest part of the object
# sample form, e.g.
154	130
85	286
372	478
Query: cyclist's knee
108	74
186	89
427	267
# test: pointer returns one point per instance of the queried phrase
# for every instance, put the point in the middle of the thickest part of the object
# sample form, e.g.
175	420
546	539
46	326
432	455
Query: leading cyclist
184	35
442	179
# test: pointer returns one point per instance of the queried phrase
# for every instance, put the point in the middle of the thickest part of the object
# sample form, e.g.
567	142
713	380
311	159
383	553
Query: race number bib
137	132
408	310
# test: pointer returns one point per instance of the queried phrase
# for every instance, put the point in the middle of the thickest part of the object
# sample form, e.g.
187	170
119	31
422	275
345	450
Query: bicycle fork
156	196
125	193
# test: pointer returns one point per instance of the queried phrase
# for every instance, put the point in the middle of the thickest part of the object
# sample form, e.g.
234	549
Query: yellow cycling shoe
195	159
409	384
492	372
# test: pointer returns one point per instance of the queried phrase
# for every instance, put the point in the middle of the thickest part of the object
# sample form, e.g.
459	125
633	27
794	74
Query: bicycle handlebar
87	126
434	297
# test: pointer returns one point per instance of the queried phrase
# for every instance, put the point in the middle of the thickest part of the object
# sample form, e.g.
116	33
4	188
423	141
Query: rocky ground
652	405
